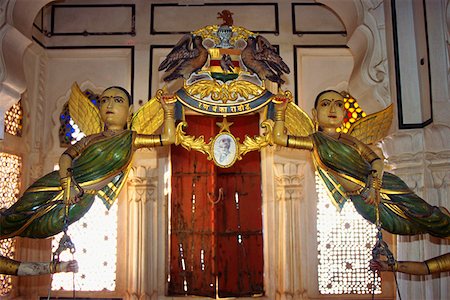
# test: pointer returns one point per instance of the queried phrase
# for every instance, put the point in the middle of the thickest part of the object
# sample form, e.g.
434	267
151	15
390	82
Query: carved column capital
142	185
289	179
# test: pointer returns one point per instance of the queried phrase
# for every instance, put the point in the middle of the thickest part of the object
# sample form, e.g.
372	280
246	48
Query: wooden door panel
239	221
222	239
241	272
192	227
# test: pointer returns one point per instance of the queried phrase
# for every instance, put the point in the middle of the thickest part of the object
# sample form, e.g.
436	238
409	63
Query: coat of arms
225	71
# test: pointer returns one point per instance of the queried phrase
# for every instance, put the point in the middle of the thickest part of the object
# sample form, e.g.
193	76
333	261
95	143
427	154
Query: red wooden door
192	224
216	241
239	220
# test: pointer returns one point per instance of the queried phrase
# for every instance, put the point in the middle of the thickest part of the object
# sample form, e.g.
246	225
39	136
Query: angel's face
114	108
330	110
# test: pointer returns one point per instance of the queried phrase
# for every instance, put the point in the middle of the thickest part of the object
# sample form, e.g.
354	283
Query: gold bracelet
376	183
438	264
147	141
64	182
169	114
51	267
279	115
299	142
395	266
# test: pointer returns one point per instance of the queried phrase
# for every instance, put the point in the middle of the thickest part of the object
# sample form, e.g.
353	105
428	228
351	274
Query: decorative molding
446	18
305	6
55	8
143	177
40	26
433	139
3	9
296	59
225	5
14	40
370	80
34	101
289	180
152	62
419	157
40	102
142	189
12	79
440	177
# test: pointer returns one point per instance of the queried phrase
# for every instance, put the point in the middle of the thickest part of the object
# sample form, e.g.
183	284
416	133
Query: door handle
212	197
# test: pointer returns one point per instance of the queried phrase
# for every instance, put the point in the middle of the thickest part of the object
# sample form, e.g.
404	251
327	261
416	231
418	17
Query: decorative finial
226	16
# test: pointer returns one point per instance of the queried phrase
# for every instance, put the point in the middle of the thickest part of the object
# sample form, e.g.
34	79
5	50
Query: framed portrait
225	150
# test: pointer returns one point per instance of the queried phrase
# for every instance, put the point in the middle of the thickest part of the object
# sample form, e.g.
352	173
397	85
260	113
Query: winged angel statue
97	165
350	169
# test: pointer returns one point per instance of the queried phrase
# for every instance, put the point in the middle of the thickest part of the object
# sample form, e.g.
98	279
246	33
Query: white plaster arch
16	21
364	23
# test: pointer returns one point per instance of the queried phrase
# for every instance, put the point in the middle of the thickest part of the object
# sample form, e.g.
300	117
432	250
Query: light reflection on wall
95	239
10	166
345	242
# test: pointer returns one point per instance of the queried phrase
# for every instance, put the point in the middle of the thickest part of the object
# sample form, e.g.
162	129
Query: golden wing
297	121
374	127
149	117
83	112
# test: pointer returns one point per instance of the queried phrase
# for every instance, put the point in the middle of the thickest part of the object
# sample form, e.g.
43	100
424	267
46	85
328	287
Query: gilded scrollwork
224	92
249	144
240	33
210	32
190	142
257	142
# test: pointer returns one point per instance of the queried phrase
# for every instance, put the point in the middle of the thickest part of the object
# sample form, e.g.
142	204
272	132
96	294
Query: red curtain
216	240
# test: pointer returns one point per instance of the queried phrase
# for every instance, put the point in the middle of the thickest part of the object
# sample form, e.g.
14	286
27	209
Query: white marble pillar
424	164
284	223
141	216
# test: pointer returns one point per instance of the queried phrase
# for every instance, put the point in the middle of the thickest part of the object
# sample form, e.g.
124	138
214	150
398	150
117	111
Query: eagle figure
188	56
260	57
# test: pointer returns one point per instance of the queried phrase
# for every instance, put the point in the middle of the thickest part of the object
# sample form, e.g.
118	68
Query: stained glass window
13	119
69	132
345	242
9	190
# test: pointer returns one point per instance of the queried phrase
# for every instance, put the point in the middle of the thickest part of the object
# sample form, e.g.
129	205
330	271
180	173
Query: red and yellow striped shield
215	68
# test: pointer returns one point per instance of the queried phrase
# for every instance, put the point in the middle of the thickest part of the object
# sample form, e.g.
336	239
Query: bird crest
226	16
224	69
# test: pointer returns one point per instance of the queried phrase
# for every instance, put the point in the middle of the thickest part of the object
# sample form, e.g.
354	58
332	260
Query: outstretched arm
280	136
408	267
12	267
168	135
279	131
168	104
436	264
40	268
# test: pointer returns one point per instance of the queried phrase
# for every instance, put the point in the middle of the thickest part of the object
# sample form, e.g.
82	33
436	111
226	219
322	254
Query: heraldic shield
224	71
